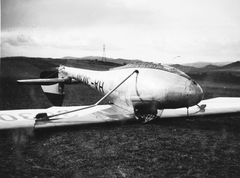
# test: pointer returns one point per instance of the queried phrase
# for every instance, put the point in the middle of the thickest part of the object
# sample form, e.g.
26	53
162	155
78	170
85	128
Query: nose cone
194	93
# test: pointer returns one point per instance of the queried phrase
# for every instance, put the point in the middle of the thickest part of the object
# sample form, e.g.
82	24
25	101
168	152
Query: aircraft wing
11	119
214	106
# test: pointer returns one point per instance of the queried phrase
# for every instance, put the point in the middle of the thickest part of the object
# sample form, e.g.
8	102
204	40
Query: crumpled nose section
195	93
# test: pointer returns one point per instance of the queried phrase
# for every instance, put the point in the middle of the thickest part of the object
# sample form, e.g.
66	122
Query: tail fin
54	92
51	84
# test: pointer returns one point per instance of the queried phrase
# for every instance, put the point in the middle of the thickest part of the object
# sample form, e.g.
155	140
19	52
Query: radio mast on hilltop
104	54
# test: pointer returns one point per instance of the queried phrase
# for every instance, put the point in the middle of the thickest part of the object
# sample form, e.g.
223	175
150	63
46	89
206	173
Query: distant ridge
118	60
211	67
187	67
200	65
204	64
70	57
234	65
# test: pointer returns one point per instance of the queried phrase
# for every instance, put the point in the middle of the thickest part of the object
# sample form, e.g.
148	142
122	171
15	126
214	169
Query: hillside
234	65
204	64
233	68
211	67
98	58
15	68
178	147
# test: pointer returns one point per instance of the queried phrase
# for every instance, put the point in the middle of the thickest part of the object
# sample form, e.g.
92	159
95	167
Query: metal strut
90	106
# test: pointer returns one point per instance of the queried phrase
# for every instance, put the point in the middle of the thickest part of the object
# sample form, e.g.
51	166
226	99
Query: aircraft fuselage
154	88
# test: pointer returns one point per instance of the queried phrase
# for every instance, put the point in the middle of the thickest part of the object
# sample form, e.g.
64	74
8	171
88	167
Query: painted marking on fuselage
99	85
83	79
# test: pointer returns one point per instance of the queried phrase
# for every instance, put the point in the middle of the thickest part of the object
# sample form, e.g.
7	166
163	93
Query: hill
211	67
234	65
233	68
177	147
204	64
98	58
186	69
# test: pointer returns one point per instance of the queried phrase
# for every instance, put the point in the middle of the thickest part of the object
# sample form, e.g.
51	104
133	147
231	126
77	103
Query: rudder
54	92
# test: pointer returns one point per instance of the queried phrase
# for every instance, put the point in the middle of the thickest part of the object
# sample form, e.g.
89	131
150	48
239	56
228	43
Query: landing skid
145	118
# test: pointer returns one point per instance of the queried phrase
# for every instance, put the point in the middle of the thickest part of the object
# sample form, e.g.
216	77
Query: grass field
196	147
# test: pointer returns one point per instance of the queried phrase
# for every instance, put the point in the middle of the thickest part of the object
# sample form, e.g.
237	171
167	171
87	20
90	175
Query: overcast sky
150	30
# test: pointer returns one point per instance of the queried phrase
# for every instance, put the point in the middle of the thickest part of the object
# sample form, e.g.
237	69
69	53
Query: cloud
17	40
67	14
148	30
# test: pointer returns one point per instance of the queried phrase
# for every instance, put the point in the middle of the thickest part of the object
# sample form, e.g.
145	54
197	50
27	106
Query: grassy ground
197	147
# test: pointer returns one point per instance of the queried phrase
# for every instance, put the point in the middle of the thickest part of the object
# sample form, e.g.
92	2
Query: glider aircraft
143	91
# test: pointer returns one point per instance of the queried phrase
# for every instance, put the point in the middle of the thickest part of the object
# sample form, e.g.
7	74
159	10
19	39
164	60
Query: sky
162	31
